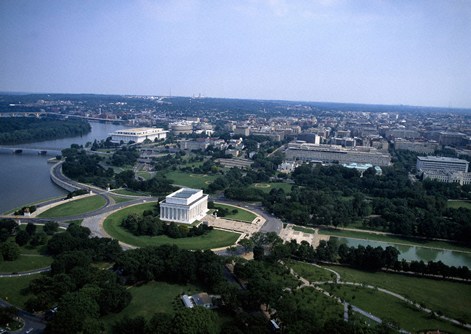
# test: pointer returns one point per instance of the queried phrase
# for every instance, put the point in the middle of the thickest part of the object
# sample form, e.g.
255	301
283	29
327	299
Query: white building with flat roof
138	135
184	206
432	163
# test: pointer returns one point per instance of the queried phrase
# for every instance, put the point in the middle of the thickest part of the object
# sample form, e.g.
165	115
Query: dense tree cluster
21	211
169	263
16	130
125	156
7	228
147	224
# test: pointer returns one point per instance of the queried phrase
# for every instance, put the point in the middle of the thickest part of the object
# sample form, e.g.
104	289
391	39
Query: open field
241	215
126	192
196	181
25	263
458	204
451	298
145	175
11	287
384	305
392	239
213	239
79	206
266	187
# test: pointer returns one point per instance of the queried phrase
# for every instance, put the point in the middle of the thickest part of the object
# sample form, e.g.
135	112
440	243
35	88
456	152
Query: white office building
184	206
442	163
138	135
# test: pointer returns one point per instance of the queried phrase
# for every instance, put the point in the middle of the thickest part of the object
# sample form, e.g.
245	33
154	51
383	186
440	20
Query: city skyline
381	52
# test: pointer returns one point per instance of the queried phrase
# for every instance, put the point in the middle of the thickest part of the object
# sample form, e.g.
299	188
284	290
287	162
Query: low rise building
138	135
184	206
432	163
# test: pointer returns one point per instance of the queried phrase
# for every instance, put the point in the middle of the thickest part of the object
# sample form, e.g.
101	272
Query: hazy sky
387	52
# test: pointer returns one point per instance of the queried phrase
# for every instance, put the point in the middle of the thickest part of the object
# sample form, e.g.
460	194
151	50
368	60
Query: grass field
25	263
266	187
458	204
241	215
126	192
388	238
79	206
195	181
145	175
213	239
451	298
384	305
153	297
12	288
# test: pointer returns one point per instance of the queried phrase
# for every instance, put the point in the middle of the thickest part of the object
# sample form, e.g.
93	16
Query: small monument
108	187
26	213
90	191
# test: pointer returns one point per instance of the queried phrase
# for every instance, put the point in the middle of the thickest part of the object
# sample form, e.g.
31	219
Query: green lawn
392	239
32	250
79	206
195	181
241	215
12	287
266	187
458	204
121	199
145	175
213	239
25	263
451	298
126	192
384	305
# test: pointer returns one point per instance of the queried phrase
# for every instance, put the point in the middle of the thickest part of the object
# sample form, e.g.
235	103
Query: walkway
356	309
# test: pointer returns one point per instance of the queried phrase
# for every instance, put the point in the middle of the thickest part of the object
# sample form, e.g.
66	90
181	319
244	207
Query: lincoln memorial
184	206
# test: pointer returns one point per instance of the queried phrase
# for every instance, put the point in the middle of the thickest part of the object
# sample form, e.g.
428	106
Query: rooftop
185	193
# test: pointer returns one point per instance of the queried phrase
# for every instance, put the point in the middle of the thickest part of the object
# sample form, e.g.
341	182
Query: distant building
448	176
138	135
364	167
333	153
184	206
201	299
442	163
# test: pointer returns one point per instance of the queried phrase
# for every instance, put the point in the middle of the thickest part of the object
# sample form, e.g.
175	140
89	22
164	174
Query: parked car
29	331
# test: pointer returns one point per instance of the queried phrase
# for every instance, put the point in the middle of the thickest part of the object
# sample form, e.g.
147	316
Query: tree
195	320
247	244
51	227
10	251
160	323
22	238
31	229
258	253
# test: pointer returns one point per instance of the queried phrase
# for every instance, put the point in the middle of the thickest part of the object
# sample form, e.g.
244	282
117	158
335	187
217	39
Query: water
24	178
417	253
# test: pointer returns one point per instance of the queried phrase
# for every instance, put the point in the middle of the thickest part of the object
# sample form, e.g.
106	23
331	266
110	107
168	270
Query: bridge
31	148
24	114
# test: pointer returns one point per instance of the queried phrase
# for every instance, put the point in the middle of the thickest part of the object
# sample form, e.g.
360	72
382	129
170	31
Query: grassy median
76	207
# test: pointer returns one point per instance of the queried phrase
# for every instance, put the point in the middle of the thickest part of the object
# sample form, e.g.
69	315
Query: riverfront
25	178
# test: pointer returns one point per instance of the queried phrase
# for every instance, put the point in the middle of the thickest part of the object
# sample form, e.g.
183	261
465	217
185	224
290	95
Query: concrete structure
181	127
333	153
425	146
242	130
432	163
448	176
138	135
184	206
364	167
287	166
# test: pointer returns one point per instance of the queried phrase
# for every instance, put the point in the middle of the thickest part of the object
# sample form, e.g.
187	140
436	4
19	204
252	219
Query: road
31	320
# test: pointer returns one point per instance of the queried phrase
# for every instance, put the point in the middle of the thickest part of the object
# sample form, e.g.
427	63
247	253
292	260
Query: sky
411	52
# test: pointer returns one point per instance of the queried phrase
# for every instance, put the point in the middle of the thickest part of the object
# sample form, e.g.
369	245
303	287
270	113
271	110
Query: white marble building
184	206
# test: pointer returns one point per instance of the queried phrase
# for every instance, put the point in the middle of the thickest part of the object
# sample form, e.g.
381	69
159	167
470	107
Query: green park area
26	263
190	180
267	187
144	175
458	204
76	207
388	238
16	289
241	215
153	297
126	192
214	239
448	297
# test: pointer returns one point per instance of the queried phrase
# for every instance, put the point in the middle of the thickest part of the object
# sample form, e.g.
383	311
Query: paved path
356	309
